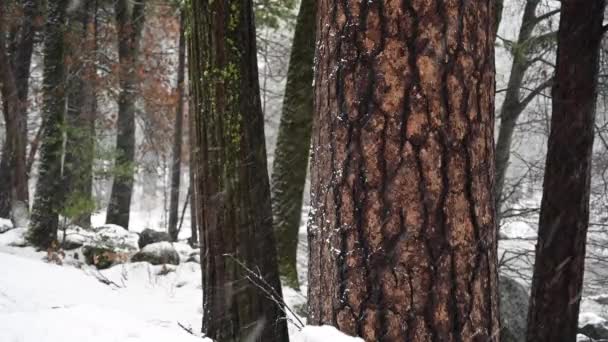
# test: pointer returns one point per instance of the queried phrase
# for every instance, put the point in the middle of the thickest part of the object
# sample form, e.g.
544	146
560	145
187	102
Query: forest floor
133	302
130	302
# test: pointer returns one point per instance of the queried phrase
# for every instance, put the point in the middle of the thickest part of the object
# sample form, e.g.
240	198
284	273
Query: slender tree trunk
564	216
13	165
293	143
514	104
233	192
176	165
402	234
194	240
130	25
49	191
81	99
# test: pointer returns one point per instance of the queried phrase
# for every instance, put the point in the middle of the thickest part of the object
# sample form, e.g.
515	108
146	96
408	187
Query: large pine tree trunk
564	215
402	234
13	169
293	143
49	191
233	192
130	22
176	163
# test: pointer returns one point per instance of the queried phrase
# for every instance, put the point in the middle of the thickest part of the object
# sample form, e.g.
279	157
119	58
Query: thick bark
402	234
176	163
49	191
13	167
233	192
514	104
82	103
564	214
130	25
293	143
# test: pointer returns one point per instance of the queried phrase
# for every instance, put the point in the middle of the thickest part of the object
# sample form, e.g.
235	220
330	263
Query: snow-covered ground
131	302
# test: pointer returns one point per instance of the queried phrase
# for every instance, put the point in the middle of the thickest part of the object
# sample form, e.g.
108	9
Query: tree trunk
194	240
49	191
13	166
564	214
81	98
293	143
233	192
513	104
130	25
176	165
402	234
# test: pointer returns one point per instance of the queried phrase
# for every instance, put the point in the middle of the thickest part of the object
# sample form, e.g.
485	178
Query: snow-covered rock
158	254
513	310
115	237
74	237
187	253
323	333
593	326
14	237
5	225
148	236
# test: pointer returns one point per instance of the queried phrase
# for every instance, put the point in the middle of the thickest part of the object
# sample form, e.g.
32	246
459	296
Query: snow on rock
323	334
5	225
115	237
74	236
186	252
157	254
14	237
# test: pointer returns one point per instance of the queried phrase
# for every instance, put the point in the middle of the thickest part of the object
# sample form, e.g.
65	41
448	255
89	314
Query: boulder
148	236
74	237
513	310
158	253
103	257
114	237
5	225
593	326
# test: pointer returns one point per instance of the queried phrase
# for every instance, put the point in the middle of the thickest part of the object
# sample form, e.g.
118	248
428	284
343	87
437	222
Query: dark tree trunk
293	143
176	165
130	25
13	167
564	214
49	191
194	240
402	234
80	128
233	192
514	104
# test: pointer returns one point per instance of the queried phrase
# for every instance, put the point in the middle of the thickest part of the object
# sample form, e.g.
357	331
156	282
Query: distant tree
129	23
402	235
293	143
176	164
49	190
81	112
16	59
564	215
527	51
232	186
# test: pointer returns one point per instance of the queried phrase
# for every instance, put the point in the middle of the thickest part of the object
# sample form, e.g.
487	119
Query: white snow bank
323	333
46	302
14	237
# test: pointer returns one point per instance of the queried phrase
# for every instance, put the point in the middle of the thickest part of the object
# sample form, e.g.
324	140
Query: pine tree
130	22
557	283
402	234
293	143
232	193
49	191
